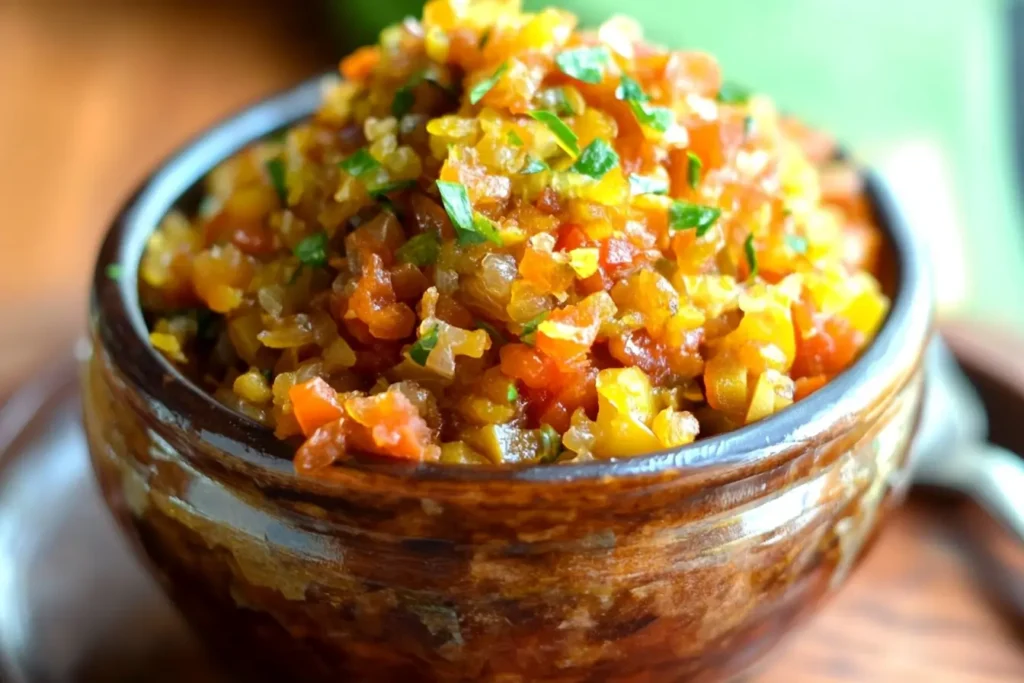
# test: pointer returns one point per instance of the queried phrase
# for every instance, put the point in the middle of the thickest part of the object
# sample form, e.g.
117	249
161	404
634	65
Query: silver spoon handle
997	484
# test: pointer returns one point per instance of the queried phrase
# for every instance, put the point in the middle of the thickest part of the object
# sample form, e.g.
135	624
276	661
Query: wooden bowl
686	564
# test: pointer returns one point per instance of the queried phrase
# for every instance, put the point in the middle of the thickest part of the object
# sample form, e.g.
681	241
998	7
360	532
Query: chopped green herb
484	37
446	89
534	165
490	329
630	91
420	351
583	63
694	167
512	394
471	228
268	375
560	102
312	250
113	271
657	118
567	139
360	163
748	126
208	324
550	446
483	87
732	93
639	184
387	204
388	188
596	159
751	254
684	215
420	250
485	228
797	243
405	98
514	139
295	275
275	168
529	332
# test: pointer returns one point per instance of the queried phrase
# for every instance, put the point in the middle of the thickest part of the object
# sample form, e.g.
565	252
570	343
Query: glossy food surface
503	239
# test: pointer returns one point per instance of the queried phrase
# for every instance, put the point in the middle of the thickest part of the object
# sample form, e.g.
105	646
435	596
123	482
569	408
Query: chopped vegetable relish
502	239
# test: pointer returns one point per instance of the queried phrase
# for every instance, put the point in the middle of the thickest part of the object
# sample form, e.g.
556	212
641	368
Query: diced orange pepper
360	64
314	403
805	386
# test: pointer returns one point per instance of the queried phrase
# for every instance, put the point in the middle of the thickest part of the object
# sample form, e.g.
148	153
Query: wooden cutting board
97	93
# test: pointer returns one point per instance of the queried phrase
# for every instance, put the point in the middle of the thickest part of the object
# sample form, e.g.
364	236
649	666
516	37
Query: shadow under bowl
682	565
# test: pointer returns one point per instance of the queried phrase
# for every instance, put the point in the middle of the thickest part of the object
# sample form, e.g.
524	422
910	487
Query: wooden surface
94	94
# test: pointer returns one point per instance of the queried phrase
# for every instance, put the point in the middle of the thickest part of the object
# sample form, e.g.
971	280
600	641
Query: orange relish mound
503	239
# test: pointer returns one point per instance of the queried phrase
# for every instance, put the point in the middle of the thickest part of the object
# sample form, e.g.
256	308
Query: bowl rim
116	317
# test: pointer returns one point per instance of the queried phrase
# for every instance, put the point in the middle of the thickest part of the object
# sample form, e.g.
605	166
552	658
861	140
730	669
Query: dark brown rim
176	401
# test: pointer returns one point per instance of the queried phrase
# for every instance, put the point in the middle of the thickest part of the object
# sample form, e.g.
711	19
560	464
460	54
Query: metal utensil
953	453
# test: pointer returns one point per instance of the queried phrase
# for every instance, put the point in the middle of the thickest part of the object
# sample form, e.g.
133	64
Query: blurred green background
919	89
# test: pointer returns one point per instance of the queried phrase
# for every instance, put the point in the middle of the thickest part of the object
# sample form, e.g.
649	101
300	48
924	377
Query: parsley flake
471	228
405	98
420	250
748	126
420	351
275	169
514	139
529	333
114	271
596	159
694	166
512	394
359	164
483	87
751	254
387	188
656	118
629	90
491	330
583	63
534	165
484	37
797	243
550	446
684	215
639	184
312	250
556	100
731	93
567	139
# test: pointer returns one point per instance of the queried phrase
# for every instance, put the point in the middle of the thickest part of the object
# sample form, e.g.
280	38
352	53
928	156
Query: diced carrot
360	64
314	403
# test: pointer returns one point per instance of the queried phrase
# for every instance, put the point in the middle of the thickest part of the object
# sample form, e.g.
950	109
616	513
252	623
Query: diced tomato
393	427
571	236
323	449
805	386
374	302
618	256
528	364
314	404
824	345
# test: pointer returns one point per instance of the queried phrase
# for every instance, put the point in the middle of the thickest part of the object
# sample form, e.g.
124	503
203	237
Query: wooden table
94	94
